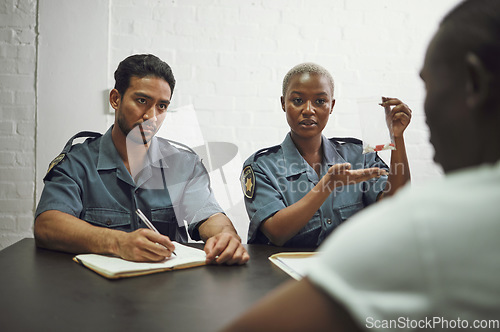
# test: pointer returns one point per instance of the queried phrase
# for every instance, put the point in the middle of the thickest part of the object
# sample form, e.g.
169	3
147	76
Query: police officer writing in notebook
297	192
93	189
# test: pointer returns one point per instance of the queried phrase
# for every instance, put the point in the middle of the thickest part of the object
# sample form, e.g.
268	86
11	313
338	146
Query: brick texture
17	121
229	58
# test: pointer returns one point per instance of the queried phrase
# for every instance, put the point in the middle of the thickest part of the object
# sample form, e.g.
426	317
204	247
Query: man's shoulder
171	148
74	150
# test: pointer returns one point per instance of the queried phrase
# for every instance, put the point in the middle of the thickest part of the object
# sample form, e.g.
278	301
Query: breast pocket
347	211
165	221
109	218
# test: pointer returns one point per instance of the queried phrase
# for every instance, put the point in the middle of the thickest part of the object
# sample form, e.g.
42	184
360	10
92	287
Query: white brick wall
17	122
229	57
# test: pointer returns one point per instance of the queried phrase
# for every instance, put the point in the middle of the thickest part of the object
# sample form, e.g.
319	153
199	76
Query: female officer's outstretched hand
342	175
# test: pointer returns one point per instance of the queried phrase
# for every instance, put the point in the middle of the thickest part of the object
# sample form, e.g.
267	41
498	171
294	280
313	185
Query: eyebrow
143	95
318	94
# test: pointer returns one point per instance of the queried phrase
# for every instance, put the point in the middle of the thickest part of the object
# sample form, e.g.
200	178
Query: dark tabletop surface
43	290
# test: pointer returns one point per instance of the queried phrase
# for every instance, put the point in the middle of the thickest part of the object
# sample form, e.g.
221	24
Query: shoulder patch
67	148
55	162
247	180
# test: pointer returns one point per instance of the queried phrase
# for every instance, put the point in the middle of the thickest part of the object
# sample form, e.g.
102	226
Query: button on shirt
283	177
92	183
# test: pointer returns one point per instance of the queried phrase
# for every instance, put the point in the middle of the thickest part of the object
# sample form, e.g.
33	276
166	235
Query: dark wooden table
43	290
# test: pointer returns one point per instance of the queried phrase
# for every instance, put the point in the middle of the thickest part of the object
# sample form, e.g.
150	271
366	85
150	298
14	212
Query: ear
283	103
115	99
333	104
478	82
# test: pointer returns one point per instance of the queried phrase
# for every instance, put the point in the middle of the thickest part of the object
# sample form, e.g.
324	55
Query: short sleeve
61	192
373	267
264	203
198	202
373	187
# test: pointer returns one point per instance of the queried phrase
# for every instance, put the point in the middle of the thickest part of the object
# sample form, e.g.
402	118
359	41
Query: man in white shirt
429	258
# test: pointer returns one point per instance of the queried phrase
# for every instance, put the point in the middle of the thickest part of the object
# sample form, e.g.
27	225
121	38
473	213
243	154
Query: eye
320	101
141	100
297	101
163	107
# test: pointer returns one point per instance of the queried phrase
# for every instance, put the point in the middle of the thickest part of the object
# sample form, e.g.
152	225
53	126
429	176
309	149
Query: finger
402	117
339	168
387	101
364	177
209	249
216	245
159	239
227	253
159	244
401	108
238	256
165	242
366	171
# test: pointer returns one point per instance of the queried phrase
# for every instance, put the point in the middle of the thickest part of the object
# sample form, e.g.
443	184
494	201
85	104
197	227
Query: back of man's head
476	28
462	75
142	65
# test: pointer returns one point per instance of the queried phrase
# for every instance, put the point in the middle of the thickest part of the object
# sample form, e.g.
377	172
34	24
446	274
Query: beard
136	133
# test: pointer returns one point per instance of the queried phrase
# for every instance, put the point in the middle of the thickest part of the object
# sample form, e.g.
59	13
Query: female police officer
297	192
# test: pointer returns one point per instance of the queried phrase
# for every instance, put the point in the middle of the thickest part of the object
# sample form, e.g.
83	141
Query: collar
108	155
109	159
292	159
296	164
330	154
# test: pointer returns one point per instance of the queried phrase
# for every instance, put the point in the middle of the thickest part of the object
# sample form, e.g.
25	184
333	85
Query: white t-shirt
428	258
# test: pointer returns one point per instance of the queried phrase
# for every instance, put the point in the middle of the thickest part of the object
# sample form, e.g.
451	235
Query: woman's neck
311	149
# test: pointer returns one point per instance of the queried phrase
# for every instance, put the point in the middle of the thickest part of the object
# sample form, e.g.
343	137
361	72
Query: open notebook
296	264
113	267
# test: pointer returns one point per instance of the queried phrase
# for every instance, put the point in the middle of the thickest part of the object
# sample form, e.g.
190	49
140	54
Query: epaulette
263	151
184	146
68	147
343	140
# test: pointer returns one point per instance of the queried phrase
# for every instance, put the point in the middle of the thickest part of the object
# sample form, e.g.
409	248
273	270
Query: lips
147	129
308	122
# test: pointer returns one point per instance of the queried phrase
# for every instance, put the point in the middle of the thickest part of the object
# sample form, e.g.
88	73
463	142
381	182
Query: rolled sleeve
60	193
198	202
265	202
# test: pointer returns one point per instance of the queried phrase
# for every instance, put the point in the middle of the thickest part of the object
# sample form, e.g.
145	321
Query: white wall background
229	58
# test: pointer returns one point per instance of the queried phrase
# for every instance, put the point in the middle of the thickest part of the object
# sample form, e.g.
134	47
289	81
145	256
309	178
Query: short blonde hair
306	67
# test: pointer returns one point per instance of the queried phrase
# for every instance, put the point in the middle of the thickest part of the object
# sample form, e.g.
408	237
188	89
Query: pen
148	223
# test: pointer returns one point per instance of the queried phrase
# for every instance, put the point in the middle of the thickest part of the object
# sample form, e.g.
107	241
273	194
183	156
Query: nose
150	114
308	108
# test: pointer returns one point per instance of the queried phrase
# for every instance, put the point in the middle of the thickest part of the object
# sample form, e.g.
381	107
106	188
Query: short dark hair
142	65
474	26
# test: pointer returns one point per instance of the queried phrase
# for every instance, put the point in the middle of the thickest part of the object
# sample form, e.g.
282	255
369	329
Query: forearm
60	231
399	169
295	306
216	224
287	222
